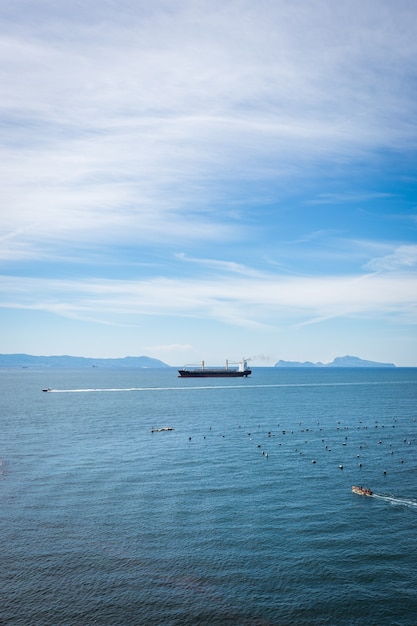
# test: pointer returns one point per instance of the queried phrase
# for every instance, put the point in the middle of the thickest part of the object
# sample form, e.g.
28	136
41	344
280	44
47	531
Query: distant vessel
361	491
201	371
161	430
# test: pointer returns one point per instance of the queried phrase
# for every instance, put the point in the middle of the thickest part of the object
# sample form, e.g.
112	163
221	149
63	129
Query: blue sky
207	180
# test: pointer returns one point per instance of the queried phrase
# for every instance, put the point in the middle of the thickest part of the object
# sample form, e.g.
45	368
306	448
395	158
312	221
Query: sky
201	179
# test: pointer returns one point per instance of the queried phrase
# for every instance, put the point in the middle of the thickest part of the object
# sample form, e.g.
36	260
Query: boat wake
244	385
124	389
101	390
411	503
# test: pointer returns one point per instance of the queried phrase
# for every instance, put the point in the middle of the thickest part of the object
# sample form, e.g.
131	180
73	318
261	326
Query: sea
241	513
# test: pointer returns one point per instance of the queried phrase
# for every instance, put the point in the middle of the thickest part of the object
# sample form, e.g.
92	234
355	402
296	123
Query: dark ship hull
213	373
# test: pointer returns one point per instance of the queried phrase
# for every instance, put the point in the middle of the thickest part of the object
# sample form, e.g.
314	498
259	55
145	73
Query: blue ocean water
243	514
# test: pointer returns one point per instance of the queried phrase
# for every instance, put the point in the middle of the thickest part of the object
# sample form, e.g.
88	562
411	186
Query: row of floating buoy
341	466
286	432
344	443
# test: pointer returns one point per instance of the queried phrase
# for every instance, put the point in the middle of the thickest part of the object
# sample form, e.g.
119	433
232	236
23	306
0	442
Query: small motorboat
47	389
361	491
161	430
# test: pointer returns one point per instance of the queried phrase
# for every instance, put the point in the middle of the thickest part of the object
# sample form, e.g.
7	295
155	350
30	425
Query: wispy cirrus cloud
218	265
404	257
119	123
348	197
244	301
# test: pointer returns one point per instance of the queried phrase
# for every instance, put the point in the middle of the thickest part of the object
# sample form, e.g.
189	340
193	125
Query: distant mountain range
72	362
340	361
145	362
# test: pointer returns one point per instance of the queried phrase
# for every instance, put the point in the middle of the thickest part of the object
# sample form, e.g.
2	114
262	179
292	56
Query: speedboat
361	491
161	430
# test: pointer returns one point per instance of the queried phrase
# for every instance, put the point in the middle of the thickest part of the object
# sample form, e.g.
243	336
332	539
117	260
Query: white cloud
403	258
237	301
218	265
120	120
348	197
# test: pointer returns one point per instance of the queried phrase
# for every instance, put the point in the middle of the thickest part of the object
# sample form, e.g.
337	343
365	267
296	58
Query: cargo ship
201	371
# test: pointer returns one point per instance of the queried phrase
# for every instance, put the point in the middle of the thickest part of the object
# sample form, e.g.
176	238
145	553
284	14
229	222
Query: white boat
161	430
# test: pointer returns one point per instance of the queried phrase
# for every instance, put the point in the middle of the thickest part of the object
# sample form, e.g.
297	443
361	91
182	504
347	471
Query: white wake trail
397	501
